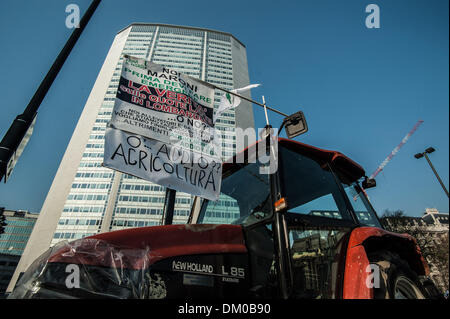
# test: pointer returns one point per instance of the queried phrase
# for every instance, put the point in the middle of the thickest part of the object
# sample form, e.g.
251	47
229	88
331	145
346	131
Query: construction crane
395	150
390	156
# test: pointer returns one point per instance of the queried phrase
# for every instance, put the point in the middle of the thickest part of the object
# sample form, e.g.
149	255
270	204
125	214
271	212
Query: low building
433	218
13	240
431	232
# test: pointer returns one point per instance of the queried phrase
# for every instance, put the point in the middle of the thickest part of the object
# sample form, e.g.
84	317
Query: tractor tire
397	280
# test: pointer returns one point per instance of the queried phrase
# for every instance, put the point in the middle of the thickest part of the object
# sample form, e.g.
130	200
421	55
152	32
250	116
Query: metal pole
435	173
249	100
265	110
285	278
56	67
20	125
169	205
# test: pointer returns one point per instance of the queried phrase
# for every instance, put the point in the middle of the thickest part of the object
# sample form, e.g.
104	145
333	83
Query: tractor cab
299	217
312	183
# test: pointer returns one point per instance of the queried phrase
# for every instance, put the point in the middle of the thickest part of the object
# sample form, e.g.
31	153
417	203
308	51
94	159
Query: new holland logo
192	267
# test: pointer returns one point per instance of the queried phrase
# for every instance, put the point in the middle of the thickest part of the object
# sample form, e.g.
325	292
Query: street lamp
19	132
429	151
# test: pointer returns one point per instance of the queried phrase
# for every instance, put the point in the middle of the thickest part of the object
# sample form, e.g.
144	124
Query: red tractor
306	230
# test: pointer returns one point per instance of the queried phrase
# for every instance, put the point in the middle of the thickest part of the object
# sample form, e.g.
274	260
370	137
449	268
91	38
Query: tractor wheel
396	279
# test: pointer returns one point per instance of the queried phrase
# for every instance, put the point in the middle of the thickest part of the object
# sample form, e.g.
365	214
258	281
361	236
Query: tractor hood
121	264
119	248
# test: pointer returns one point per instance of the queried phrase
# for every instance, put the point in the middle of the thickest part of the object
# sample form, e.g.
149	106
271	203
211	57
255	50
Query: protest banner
164	164
163	104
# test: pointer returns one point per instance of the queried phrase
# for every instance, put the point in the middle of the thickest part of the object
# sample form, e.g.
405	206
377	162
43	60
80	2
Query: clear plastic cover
90	268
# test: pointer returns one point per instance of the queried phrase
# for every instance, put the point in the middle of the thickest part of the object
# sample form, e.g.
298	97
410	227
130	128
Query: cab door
319	221
317	257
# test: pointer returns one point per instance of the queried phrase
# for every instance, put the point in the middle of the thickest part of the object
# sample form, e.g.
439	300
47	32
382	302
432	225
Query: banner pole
169	205
249	100
265	110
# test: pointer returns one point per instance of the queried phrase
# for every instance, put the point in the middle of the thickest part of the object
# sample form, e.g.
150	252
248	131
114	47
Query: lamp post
429	151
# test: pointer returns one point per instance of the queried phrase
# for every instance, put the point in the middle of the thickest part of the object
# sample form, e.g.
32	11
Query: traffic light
2	220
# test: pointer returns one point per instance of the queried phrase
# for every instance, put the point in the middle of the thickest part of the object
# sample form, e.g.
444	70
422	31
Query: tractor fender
365	240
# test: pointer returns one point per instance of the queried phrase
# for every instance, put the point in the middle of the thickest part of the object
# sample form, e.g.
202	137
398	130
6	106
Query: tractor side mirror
295	125
369	183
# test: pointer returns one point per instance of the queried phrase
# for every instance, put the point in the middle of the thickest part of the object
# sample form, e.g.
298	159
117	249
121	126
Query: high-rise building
12	242
86	198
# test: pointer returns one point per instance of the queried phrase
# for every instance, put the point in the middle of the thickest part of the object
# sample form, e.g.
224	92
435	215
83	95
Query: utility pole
429	151
23	122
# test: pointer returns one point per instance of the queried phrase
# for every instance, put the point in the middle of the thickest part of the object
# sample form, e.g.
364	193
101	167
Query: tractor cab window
361	206
244	199
311	188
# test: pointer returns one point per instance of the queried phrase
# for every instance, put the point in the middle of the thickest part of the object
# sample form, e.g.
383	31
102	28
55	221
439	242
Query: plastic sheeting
90	268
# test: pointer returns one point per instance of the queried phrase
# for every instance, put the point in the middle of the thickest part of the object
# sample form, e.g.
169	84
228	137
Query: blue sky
361	89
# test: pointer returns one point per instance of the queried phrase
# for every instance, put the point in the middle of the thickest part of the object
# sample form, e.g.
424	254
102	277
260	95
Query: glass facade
12	243
98	192
16	233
